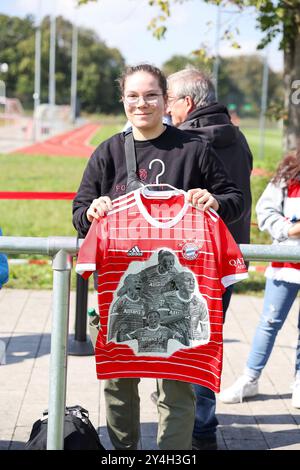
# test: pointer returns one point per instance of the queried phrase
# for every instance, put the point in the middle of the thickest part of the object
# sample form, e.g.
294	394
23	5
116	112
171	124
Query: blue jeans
206	422
279	297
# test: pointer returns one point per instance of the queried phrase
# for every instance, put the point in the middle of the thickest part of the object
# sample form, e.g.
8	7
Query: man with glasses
193	107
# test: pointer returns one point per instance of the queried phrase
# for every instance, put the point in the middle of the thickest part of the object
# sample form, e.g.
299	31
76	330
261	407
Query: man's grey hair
194	83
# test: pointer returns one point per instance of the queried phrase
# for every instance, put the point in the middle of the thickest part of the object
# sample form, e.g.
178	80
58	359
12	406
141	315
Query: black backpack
79	433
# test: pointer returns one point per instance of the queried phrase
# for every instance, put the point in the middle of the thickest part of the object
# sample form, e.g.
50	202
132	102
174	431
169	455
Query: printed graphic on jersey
157	308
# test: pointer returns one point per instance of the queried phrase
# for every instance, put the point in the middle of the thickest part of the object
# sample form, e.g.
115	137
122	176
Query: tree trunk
292	88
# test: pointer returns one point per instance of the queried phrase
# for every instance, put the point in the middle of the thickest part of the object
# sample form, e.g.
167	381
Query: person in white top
278	212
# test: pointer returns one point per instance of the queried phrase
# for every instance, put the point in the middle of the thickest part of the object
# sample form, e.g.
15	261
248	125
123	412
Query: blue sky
123	24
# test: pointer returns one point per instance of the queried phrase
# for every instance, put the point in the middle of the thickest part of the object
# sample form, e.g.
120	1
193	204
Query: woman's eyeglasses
151	99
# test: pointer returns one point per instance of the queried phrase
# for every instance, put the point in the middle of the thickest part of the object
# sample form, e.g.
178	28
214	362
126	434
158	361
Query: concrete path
266	422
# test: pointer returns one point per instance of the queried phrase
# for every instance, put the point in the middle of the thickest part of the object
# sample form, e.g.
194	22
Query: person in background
4	271
191	165
278	212
193	107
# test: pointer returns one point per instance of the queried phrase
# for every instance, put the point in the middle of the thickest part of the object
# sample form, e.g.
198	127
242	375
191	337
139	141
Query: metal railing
62	250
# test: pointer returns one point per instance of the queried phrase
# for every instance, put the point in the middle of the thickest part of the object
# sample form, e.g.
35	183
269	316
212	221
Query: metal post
81	307
79	343
58	366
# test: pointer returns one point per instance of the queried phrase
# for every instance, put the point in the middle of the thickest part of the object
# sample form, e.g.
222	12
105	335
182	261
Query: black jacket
213	123
189	163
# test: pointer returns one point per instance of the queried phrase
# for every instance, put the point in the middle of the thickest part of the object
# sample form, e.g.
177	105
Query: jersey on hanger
163	266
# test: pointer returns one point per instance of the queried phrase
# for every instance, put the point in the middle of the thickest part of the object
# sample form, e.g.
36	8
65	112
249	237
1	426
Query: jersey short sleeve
230	260
93	248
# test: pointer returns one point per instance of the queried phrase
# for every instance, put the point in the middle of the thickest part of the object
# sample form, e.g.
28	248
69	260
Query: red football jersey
162	268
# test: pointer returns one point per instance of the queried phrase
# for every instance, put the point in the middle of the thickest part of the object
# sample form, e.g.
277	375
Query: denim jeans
206	422
279	297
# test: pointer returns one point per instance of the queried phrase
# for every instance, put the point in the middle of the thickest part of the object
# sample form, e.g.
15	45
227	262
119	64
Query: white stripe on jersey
137	360
144	251
166	375
207	277
233	278
213	298
114	211
170	229
211	212
115	356
85	267
123	199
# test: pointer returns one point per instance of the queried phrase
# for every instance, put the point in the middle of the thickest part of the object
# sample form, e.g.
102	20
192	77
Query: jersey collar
155	222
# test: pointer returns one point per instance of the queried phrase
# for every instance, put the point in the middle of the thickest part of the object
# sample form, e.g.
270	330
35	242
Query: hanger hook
162	169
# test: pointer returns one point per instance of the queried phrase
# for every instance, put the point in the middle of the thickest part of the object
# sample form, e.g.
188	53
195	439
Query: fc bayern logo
190	251
143	174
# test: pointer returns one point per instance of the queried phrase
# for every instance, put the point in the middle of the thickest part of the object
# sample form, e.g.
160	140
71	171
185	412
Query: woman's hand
294	231
99	208
202	199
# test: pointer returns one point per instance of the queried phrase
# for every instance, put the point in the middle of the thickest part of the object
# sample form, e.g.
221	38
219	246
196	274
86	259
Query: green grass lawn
38	173
272	147
110	125
54	218
105	132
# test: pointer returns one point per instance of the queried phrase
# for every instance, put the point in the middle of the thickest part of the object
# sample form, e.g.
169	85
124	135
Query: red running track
74	143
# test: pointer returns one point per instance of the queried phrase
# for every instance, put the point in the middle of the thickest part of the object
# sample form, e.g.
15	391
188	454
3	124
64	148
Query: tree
178	62
274	17
98	65
239	82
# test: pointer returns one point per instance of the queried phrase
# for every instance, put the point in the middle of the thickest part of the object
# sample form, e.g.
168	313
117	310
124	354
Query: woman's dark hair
156	72
288	169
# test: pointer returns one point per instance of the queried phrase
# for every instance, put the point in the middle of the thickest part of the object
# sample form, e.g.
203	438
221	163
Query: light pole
263	109
3	69
52	60
37	73
74	72
217	55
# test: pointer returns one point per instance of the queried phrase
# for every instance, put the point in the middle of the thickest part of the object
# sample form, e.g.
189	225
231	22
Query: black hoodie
213	123
189	162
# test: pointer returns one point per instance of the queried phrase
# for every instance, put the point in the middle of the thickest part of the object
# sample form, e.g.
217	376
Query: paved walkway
266	422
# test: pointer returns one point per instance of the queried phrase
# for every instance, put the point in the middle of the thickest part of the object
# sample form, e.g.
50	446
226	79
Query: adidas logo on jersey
135	251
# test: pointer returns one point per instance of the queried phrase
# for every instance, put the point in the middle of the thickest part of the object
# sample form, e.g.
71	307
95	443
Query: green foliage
35	276
239	82
273	17
98	65
178	62
253	285
84	2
